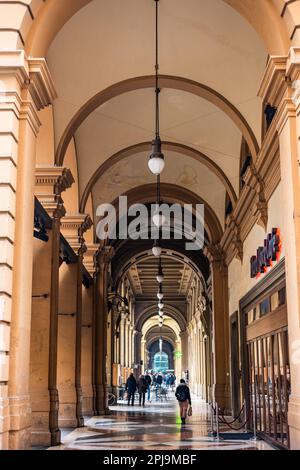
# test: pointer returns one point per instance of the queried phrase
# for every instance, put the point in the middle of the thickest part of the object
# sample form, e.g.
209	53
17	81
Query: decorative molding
30	73
73	227
41	86
14	63
89	255
50	182
273	83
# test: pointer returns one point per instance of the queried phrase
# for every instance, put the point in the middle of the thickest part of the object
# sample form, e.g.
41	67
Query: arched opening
80	314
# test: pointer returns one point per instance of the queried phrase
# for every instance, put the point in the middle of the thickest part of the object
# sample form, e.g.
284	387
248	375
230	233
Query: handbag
190	411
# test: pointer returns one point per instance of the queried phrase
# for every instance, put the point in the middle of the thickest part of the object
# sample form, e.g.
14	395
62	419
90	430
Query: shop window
282	296
264	307
274	301
245	161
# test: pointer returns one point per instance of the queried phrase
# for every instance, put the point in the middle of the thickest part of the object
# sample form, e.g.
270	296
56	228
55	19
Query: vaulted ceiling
204	41
177	278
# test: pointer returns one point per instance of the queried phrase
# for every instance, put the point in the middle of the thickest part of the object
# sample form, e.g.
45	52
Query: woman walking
184	399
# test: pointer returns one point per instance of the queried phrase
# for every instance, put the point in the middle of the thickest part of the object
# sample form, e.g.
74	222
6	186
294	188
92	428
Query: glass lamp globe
160	278
160	305
157	161
159	219
156	250
160	313
156	165
160	296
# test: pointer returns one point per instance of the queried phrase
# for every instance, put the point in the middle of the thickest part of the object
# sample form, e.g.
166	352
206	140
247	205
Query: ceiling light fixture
160	294
156	249
160	274
157	160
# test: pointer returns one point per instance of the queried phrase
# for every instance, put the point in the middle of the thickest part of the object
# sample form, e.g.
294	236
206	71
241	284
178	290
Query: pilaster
19	125
50	182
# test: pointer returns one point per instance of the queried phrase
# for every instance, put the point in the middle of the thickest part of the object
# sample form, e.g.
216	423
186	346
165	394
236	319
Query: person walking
130	389
149	382
142	388
184	399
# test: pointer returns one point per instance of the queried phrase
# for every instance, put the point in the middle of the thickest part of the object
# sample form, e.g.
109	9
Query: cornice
32	74
58	177
89	257
273	81
50	182
41	86
14	63
73	227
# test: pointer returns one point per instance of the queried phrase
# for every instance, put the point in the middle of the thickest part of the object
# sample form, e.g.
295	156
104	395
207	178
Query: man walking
130	389
149	382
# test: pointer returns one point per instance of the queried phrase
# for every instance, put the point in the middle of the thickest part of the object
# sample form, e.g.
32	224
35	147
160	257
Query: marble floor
157	426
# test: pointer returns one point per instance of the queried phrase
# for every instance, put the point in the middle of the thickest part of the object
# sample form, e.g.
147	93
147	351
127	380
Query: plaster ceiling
177	275
185	118
107	42
206	41
180	170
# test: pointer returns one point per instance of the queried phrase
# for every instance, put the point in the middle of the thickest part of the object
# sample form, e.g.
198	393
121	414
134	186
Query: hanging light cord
157	89
157	92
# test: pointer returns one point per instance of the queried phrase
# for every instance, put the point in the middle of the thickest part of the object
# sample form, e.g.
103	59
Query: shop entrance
266	381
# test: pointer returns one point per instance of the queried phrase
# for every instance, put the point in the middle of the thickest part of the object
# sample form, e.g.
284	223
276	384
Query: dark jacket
148	379
142	385
159	379
131	385
183	389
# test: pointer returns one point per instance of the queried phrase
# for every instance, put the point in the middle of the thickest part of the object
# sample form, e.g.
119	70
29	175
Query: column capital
88	261
73	228
273	83
104	256
214	253
259	208
41	86
50	182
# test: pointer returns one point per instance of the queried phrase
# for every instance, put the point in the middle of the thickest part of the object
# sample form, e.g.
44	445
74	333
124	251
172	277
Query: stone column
280	87
138	351
25	88
184	350
288	125
219	276
73	227
49	185
122	338
87	335
104	257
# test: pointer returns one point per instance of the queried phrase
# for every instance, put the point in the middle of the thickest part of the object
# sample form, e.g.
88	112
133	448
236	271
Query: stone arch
54	14
171	146
144	255
172	193
166	81
170	310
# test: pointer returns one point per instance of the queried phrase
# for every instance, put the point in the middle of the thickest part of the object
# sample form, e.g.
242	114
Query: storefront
265	378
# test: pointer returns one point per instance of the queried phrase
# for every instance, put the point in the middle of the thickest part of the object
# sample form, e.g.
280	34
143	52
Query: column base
20	423
222	397
294	422
67	415
4	421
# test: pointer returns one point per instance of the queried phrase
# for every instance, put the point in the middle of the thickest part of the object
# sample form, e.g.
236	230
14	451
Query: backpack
181	394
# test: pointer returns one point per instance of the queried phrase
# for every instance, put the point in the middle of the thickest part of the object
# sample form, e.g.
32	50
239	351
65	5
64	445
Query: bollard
212	419
217	424
245	417
254	419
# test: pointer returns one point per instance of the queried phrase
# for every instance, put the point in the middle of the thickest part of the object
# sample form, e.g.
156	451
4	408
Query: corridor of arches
79	314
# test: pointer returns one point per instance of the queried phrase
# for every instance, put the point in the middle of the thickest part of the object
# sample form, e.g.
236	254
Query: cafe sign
266	255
